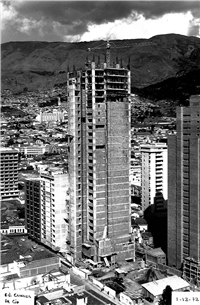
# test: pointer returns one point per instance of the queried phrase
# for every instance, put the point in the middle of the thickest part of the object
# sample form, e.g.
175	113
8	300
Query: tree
166	298
10	142
151	275
21	212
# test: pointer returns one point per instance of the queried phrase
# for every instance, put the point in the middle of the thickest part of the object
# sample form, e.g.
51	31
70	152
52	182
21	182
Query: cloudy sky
93	20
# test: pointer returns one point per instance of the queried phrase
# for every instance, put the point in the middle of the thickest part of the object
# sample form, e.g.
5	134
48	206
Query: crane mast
124	45
108	54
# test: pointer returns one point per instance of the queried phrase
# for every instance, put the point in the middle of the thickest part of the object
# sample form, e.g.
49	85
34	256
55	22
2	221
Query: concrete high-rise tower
99	125
154	176
184	191
9	173
47	204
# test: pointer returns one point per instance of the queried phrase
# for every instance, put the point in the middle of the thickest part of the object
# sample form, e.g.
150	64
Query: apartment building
184	191
135	174
9	173
154	176
99	125
33	207
56	116
46	207
33	150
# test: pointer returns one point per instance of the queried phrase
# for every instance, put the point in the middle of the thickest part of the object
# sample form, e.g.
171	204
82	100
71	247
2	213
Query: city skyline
74	21
100	156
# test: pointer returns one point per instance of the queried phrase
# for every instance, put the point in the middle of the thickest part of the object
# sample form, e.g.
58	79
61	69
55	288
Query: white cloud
135	26
69	38
10	17
8	14
194	29
141	28
26	26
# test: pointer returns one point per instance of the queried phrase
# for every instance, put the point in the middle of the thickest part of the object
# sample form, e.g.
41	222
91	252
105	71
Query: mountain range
162	67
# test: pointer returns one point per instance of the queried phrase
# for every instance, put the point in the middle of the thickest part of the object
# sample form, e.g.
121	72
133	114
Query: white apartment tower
154	176
46	208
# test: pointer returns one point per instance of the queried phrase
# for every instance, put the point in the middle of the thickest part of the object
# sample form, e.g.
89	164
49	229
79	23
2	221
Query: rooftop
14	248
133	289
93	297
140	221
153	147
127	268
156	287
8	150
156	252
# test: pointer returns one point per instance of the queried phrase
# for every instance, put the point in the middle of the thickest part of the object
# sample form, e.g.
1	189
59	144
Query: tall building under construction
99	125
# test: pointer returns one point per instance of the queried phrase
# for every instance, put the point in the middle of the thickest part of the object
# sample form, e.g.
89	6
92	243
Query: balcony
115	74
115	88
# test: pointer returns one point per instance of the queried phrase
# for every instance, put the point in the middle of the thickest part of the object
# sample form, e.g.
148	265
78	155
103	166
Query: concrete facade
41	266
33	207
184	186
55	116
33	150
9	173
154	176
47	203
99	125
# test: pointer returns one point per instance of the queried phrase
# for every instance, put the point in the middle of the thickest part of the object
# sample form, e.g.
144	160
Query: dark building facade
9	173
99	125
184	190
33	207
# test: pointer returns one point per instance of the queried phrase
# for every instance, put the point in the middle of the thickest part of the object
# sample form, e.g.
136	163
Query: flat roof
141	221
8	150
156	287
154	146
155	252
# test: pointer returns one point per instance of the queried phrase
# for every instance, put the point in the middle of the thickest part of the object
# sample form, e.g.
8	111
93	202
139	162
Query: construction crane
108	46
107	51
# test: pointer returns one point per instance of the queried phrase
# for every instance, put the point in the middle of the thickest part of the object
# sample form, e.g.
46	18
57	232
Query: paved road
76	280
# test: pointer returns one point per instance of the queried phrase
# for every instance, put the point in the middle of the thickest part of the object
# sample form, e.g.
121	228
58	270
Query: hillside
164	66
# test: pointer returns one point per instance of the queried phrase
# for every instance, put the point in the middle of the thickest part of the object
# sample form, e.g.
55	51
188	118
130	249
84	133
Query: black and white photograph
100	152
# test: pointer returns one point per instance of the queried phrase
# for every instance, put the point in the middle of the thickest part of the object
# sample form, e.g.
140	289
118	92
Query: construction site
99	123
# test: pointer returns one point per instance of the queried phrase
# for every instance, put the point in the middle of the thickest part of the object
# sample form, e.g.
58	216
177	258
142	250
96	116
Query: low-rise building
22	265
55	116
81	298
142	224
154	290
155	256
32	150
16	229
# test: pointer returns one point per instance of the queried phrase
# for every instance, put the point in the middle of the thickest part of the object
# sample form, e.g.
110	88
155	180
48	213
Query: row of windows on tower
189	128
189	133
15	157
